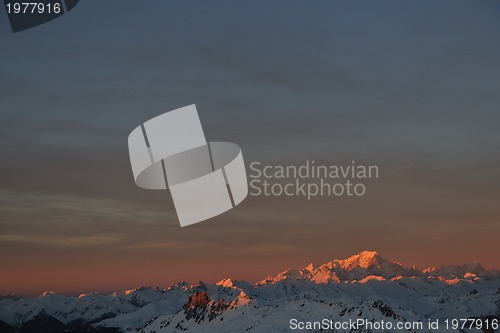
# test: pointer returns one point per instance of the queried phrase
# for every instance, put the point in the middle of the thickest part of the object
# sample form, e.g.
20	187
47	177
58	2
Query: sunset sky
412	87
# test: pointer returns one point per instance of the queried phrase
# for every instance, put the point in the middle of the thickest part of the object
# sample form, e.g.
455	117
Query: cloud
62	241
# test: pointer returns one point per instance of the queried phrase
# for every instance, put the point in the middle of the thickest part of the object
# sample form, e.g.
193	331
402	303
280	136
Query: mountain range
364	286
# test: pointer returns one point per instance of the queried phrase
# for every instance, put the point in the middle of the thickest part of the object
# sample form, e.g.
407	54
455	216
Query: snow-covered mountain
364	286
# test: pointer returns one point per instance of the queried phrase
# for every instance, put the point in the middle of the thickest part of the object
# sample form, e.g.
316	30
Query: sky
411	87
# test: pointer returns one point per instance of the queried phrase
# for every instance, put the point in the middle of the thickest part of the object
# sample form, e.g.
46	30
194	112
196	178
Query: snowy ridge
364	285
369	265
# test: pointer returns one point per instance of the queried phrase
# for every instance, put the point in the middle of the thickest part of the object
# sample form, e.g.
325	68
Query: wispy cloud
62	241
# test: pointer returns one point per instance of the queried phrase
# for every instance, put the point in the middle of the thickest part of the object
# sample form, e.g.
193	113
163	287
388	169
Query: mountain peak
363	259
369	254
310	267
197	300
225	283
47	293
